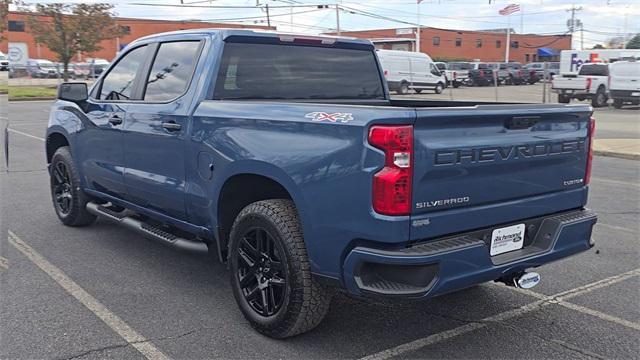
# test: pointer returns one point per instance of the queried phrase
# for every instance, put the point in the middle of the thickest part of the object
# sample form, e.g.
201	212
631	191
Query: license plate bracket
507	239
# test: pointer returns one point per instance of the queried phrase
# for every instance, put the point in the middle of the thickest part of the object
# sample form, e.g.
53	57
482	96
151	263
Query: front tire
270	272
69	200
439	88
404	89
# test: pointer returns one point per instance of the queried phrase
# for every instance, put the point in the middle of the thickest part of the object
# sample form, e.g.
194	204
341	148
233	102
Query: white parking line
25	134
543	300
139	342
614	227
615	182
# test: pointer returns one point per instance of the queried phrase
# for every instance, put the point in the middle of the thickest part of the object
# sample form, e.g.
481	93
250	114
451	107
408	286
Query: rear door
625	76
492	155
156	128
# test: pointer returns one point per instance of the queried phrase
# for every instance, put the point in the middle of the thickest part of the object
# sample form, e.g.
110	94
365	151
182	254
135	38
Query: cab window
118	83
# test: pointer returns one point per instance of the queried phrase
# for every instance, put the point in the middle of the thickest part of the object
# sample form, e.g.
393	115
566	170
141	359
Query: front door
155	131
100	149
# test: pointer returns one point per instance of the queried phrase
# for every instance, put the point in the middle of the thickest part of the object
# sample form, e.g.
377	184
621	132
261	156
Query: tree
67	29
597	46
4	11
634	43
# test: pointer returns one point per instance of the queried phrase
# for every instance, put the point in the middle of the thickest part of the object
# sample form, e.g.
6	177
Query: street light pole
418	30
338	19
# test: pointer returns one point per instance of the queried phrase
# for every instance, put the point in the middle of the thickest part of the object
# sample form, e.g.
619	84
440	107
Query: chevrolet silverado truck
589	83
285	158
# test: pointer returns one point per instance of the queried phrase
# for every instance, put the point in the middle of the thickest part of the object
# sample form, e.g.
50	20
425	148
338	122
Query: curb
617	154
32	98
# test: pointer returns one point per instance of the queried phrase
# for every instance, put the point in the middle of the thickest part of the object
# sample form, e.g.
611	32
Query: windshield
264	71
441	66
2	57
595	70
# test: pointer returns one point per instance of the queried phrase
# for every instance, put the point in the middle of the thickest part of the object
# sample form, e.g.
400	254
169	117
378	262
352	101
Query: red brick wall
139	28
528	44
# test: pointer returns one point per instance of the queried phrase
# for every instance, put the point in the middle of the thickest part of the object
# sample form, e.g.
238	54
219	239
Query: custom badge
335	117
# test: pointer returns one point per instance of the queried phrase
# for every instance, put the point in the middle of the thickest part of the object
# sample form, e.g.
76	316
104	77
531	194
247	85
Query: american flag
510	9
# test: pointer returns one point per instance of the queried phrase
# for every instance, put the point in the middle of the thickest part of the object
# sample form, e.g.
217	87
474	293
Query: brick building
469	45
23	45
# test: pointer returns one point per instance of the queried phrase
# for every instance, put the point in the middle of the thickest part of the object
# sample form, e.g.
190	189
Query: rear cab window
594	70
172	70
297	72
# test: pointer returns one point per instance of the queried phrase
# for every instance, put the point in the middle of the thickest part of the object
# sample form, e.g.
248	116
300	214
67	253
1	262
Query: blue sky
602	19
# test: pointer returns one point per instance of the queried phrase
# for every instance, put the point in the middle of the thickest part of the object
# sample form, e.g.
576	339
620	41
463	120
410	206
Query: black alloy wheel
261	273
62	188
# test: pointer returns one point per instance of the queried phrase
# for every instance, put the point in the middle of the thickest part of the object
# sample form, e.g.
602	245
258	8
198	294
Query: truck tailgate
490	156
569	82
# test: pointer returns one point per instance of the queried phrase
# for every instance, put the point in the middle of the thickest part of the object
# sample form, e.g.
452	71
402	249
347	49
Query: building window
479	43
515	44
458	41
17	26
436	40
526	57
498	44
126	30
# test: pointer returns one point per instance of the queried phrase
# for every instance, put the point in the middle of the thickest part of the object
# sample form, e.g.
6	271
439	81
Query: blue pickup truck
285	157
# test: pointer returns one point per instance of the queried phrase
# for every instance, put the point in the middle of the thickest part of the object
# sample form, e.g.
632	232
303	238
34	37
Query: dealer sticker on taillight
507	239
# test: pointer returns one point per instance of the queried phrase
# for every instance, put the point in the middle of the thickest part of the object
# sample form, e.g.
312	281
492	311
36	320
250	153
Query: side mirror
73	91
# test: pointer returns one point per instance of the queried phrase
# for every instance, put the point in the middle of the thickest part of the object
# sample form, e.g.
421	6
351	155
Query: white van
406	70
624	83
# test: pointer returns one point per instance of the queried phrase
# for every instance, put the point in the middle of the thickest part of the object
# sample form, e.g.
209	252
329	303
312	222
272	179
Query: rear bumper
626	95
444	265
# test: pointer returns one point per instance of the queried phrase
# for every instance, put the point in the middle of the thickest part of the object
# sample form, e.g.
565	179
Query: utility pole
581	36
572	23
338	19
418	29
268	18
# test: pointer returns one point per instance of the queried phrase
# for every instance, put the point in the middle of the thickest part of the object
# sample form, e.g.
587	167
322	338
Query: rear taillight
392	184
589	81
591	129
455	75
386	73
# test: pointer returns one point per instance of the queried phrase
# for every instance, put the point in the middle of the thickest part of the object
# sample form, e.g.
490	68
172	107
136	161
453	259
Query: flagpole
418	28
508	45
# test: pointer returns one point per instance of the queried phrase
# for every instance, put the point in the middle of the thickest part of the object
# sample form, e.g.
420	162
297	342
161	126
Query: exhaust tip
527	280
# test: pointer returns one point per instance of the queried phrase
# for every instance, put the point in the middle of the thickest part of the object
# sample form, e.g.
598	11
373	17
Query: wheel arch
242	188
54	141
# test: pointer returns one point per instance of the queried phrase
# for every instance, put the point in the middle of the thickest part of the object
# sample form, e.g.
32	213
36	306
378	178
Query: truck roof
257	34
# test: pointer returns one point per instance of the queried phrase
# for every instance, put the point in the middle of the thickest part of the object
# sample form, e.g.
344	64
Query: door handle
171	126
115	120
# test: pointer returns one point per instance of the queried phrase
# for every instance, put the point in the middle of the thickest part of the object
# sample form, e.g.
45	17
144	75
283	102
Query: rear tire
69	200
599	99
617	103
270	272
456	84
563	99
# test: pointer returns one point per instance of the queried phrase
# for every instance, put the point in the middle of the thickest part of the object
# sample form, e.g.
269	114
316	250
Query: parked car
96	66
80	70
456	73
287	159
41	68
624	83
405	70
4	62
552	69
589	83
512	73
480	74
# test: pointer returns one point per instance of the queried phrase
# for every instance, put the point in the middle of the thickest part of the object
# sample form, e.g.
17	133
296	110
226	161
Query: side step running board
147	230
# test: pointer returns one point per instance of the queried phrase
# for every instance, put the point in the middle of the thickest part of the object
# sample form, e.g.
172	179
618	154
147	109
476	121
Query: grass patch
32	92
4	88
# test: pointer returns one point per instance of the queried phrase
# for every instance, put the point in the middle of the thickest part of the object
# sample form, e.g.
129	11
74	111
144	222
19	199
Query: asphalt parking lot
104	292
